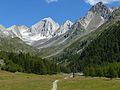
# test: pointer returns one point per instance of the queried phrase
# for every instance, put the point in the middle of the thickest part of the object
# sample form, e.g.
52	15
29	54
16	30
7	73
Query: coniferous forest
102	56
29	64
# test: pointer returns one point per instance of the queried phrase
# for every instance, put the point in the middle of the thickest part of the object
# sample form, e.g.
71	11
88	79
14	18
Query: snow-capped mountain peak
64	28
95	17
48	19
19	31
45	28
101	9
68	23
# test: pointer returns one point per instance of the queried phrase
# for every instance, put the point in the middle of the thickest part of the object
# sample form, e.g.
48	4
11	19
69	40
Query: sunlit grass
22	81
82	83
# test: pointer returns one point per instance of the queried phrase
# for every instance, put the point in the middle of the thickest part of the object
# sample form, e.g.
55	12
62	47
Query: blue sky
28	12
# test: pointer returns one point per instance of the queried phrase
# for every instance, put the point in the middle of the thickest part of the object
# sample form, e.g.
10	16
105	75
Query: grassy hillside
15	45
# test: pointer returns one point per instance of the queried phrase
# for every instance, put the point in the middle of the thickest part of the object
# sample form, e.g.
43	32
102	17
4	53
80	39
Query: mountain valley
64	43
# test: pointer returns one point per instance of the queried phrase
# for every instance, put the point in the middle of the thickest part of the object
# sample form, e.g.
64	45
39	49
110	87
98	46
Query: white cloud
93	2
51	1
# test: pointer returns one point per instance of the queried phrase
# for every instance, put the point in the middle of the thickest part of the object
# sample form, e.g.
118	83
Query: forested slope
25	62
104	49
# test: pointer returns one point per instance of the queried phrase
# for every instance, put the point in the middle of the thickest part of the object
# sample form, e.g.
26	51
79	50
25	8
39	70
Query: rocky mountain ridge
49	35
44	29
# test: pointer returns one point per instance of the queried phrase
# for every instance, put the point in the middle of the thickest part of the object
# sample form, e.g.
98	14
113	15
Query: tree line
112	70
29	64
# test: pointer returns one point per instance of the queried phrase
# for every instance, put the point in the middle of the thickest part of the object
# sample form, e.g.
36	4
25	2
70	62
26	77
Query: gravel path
55	85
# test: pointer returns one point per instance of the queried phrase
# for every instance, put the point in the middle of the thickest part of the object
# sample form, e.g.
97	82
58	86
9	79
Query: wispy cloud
51	1
93	2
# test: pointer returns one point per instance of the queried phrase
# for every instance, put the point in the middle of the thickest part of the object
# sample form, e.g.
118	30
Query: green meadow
22	81
82	83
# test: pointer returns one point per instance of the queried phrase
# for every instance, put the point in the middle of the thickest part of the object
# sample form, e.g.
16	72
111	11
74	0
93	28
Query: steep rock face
41	30
101	10
45	28
21	32
95	17
64	28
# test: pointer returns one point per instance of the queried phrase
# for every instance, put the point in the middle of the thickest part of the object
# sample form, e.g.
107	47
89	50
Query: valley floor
20	81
